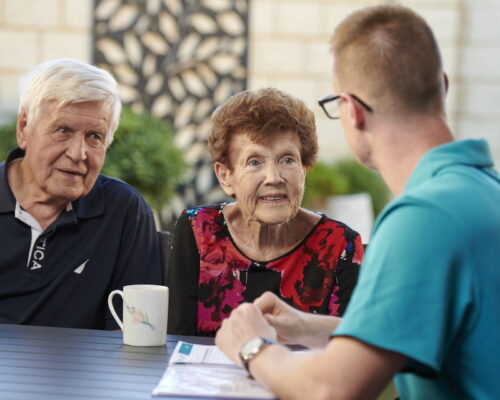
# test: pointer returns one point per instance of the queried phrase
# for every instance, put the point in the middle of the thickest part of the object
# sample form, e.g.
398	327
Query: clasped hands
271	318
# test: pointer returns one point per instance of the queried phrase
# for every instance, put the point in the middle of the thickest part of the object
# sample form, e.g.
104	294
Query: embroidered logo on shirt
38	255
80	269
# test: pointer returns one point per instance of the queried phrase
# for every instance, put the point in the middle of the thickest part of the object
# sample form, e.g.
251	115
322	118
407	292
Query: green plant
7	138
142	154
343	177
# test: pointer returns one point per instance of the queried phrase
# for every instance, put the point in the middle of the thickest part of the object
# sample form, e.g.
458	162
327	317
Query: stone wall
478	106
32	31
288	50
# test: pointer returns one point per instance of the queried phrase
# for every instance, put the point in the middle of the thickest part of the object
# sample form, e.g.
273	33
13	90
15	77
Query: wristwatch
251	348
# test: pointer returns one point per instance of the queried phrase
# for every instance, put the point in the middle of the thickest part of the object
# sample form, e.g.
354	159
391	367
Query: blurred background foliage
142	154
7	138
341	178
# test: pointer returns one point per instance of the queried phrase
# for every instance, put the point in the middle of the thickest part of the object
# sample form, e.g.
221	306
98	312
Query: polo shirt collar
88	206
470	152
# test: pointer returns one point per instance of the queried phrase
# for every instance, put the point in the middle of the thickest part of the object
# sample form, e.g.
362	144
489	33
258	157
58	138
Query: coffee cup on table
145	312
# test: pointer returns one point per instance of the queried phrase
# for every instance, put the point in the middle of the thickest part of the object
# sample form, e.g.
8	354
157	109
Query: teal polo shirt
429	287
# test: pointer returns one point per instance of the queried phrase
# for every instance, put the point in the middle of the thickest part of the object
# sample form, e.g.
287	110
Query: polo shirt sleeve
139	259
414	289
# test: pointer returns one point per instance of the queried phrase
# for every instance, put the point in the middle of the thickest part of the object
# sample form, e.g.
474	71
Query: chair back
165	238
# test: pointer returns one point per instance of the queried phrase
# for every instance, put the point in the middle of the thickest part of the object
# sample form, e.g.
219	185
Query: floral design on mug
139	317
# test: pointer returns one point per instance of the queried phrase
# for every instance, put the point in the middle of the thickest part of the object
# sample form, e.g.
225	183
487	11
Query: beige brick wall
478	109
288	50
32	31
285	32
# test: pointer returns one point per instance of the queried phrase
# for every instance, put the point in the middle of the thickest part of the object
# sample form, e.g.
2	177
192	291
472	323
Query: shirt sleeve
182	279
414	288
139	253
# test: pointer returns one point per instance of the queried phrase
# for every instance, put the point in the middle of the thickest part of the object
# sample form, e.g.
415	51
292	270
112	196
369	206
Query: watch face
251	347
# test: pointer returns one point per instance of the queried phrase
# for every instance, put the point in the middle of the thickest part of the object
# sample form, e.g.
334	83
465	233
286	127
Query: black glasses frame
334	97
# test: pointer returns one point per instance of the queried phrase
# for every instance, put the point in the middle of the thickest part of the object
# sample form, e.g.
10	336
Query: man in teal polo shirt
426	305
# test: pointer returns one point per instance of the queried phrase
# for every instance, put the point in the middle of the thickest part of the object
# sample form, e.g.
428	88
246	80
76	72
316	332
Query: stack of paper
204	371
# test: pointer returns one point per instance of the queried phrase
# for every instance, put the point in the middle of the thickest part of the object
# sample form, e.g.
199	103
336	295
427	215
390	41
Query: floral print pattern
308	274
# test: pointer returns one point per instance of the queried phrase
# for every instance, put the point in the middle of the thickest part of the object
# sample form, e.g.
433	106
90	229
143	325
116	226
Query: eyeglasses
330	105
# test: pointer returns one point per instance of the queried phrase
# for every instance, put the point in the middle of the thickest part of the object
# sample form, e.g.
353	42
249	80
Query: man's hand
245	323
294	326
287	321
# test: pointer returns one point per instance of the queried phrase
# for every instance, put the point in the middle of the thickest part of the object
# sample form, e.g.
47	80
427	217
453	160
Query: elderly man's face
65	149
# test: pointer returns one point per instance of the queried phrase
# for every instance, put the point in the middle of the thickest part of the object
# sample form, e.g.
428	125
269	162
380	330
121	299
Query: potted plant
348	192
144	155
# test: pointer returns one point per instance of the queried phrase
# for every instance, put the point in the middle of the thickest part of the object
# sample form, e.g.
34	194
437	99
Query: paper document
204	371
198	354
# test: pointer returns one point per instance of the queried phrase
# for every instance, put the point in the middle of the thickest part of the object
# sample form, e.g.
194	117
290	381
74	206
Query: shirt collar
88	206
471	152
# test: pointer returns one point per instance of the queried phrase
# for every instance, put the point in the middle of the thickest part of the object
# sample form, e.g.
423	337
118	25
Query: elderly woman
262	145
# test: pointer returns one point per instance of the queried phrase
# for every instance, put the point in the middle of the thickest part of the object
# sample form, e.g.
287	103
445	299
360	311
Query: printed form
204	371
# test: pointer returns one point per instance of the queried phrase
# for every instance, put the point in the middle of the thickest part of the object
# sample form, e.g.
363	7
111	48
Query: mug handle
112	309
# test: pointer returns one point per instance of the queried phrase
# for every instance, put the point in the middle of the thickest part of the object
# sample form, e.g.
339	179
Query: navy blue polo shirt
104	241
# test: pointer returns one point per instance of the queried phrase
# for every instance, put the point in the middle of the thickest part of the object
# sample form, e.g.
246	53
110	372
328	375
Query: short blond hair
389	53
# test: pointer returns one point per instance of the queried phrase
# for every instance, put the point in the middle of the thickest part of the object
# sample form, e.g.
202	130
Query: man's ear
22	129
223	174
356	112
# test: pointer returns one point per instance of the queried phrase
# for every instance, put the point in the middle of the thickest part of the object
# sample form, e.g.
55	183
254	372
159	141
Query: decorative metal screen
178	59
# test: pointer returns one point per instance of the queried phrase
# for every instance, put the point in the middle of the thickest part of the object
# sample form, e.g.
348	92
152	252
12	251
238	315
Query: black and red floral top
208	276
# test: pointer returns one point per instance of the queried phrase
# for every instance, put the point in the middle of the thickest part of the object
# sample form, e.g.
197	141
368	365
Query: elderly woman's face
266	178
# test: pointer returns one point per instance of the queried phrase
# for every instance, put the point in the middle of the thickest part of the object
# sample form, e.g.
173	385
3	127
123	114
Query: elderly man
69	235
426	305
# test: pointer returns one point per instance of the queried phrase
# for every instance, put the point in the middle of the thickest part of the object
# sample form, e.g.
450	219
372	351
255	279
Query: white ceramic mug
145	311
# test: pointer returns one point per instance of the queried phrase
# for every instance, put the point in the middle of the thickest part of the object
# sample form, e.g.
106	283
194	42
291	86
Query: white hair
67	81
